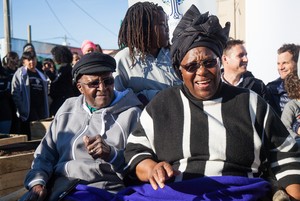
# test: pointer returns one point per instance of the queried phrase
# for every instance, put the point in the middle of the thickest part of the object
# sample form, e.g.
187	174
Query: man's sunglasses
95	84
193	66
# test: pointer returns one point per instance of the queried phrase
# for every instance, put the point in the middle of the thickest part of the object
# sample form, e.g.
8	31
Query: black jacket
277	95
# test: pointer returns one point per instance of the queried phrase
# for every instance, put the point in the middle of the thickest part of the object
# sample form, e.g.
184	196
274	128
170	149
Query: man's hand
36	193
97	147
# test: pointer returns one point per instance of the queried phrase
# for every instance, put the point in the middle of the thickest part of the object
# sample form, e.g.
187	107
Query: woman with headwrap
205	140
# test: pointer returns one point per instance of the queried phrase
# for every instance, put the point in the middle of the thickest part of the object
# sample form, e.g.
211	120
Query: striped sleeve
140	145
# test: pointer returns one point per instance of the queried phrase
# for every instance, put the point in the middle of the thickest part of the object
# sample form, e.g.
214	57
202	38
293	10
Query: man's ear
79	87
223	58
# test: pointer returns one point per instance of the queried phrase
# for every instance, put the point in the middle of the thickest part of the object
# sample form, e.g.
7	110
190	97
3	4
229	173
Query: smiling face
285	64
99	96
204	82
235	60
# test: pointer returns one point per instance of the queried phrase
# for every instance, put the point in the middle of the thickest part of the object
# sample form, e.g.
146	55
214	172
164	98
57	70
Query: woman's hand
155	173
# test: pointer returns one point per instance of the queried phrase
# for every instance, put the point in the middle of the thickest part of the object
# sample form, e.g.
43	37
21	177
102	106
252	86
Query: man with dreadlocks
204	139
144	63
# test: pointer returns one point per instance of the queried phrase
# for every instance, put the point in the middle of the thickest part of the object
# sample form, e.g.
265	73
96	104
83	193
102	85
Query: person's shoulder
249	75
293	103
72	102
129	98
276	82
167	94
123	53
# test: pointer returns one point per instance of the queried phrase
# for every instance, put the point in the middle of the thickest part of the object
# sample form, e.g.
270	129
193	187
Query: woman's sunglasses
193	66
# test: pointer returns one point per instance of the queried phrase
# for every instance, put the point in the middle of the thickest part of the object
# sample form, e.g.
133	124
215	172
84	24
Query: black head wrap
196	30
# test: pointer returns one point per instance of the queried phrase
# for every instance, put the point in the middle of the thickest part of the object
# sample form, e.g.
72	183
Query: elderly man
88	134
206	140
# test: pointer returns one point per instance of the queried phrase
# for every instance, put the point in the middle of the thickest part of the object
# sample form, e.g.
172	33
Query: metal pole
29	34
6	18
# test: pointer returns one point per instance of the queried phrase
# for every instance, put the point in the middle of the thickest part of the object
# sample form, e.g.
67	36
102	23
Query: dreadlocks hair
137	27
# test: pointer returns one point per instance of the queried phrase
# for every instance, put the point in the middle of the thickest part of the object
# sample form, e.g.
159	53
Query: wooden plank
15	163
12	138
12	194
12	179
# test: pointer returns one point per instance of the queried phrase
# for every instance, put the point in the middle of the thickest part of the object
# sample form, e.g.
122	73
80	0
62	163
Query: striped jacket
236	133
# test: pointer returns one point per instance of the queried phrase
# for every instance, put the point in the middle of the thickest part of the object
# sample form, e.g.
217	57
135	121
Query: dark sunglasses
193	66
95	84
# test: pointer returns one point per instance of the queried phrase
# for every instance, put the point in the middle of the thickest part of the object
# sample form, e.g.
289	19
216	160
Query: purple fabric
206	188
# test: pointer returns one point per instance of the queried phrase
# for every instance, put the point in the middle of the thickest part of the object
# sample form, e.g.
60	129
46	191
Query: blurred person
98	48
30	93
87	46
8	118
49	69
235	72
88	135
207	140
62	87
28	47
144	63
76	58
291	112
287	59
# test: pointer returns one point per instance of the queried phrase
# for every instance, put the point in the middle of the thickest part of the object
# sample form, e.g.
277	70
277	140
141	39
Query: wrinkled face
285	64
202	82
30	63
235	60
98	89
161	33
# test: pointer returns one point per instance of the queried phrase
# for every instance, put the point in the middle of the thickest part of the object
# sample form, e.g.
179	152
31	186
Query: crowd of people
161	120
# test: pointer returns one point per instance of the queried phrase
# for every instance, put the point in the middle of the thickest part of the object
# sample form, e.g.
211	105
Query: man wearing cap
88	134
206	140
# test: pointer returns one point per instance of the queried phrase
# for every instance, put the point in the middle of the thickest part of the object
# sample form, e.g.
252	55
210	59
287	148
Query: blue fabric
206	188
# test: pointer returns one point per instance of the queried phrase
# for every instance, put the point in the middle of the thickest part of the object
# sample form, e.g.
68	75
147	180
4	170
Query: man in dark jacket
234	72
286	63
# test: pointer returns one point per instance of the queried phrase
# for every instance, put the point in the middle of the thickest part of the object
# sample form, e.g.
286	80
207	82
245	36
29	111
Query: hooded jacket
62	151
21	93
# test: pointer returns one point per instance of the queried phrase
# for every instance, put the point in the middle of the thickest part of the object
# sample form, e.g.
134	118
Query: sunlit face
235	60
76	58
89	50
100	95
161	33
204	82
30	63
285	64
